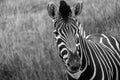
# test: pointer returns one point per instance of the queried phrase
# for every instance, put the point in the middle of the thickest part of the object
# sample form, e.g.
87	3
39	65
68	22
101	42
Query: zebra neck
87	66
84	53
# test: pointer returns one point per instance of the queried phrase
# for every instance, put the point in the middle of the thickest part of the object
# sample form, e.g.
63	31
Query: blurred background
27	44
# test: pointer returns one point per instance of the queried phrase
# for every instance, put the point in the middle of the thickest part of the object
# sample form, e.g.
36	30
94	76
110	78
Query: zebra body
102	58
95	57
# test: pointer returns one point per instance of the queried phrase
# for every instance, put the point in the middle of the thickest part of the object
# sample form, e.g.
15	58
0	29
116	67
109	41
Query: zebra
84	57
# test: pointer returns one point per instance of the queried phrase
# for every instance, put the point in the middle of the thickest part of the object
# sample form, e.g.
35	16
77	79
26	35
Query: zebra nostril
68	64
74	68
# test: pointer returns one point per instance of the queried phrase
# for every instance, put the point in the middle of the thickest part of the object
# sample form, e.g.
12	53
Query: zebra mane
64	9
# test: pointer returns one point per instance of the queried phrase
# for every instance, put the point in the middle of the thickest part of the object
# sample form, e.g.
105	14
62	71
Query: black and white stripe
92	57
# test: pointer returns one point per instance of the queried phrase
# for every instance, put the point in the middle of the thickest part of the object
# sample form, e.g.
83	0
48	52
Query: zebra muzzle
74	68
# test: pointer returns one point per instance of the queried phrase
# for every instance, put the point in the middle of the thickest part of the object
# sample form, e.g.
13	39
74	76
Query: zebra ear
77	9
52	9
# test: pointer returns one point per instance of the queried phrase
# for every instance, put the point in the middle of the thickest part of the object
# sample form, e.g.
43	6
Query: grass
27	44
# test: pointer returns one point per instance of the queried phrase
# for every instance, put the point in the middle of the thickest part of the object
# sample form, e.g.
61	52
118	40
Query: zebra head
66	30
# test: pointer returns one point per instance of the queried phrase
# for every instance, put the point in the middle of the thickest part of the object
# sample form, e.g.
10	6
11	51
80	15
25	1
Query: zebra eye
77	41
55	32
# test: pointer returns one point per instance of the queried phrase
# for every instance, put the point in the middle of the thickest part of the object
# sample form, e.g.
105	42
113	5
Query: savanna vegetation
27	44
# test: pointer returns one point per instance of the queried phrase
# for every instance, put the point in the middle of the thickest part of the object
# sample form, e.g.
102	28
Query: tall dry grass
27	45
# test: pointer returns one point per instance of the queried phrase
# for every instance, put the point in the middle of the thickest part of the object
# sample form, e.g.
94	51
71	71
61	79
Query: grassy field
27	44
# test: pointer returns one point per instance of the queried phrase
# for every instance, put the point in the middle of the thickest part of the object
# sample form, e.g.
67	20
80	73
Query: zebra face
73	63
66	32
